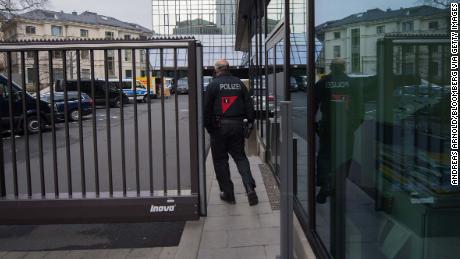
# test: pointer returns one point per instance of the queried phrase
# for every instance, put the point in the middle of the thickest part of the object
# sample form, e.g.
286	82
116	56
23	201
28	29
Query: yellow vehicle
155	85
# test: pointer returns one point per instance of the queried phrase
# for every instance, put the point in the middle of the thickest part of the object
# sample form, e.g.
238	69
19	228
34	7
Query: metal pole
201	148
286	181
339	166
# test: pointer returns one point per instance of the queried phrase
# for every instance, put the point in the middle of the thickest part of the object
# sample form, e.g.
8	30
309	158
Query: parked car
72	105
128	88
206	81
18	116
259	95
302	82
293	85
182	86
99	91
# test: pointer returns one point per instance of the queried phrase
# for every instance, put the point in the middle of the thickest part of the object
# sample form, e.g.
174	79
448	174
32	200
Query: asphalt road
102	150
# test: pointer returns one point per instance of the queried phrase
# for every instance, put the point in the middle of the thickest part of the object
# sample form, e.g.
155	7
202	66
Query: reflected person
336	95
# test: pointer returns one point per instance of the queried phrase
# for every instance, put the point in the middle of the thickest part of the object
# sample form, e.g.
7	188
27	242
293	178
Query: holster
247	129
216	123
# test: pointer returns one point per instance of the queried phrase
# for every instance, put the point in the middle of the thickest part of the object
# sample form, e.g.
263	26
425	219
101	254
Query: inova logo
163	208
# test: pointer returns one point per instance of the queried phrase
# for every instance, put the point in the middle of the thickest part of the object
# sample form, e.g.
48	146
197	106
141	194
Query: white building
355	37
49	25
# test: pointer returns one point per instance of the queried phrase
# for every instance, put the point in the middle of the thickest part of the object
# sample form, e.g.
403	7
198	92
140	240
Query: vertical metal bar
294	166
256	86
107	119
149	120
136	129
311	112
163	126
26	131
53	124
267	107
96	159
2	170
80	127
287	50
40	123
286	182
122	122
261	48
338	198
201	133
176	113
11	120
193	115
274	145
66	123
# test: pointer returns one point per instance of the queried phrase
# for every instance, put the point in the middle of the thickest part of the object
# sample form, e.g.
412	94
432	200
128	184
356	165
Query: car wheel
74	115
32	124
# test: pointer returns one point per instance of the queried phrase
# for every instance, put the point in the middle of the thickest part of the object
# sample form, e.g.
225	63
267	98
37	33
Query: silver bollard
286	182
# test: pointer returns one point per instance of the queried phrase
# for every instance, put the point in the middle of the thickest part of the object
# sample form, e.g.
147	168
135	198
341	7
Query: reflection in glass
382	131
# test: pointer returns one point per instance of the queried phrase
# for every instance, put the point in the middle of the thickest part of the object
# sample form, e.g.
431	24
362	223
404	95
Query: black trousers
229	139
326	166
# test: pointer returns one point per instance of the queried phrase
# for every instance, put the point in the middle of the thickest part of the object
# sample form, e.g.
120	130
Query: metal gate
118	160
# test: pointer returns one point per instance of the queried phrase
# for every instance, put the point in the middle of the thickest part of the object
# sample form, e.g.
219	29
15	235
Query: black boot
323	193
252	195
229	198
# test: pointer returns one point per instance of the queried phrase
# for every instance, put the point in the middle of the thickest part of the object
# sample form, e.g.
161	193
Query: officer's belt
238	120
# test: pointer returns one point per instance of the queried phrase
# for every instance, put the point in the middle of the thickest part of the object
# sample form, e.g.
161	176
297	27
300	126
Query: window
57	54
408	26
84	33
337	35
109	35
222	18
84	54
380	29
143	73
142	53
336	51
30	75
128	55
433	25
30	54
111	65
127	37
30	30
128	74
56	31
58	74
86	73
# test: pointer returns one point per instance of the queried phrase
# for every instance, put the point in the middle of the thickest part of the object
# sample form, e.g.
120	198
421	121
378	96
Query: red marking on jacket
227	102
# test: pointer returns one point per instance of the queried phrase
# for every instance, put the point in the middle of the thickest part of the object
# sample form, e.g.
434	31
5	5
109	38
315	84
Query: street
102	151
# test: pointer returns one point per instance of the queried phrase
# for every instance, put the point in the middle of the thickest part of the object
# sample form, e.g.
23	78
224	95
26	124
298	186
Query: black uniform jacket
227	98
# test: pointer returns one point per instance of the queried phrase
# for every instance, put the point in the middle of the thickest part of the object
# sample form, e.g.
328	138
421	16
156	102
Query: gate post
193	116
286	181
201	141
197	159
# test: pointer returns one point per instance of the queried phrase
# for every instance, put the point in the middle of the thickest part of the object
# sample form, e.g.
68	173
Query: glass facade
371	128
210	21
383	136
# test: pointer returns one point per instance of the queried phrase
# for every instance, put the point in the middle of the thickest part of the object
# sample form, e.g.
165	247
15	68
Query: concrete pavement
233	231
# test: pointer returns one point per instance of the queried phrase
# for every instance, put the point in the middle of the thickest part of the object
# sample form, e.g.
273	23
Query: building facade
210	21
49	25
354	38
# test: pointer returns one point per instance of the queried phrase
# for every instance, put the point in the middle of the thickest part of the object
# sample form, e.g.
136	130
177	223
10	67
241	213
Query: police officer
329	90
227	106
